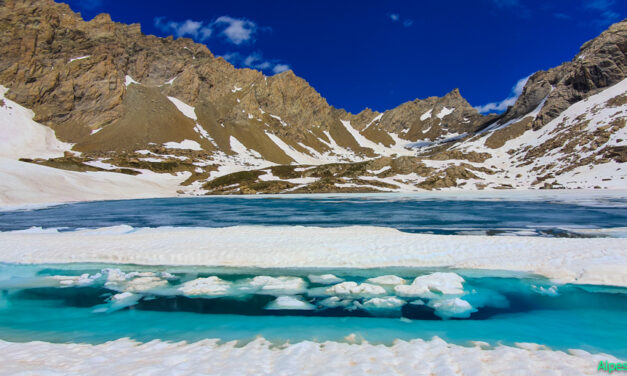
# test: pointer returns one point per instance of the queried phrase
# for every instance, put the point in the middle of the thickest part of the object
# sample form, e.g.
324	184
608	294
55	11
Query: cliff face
113	91
76	96
599	64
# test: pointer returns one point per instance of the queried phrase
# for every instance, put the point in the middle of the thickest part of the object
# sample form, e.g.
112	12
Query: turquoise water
43	302
510	309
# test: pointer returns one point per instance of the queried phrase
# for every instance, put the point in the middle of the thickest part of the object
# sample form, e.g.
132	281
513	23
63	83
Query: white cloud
256	61
509	101
280	68
237	30
604	7
234	30
194	29
395	17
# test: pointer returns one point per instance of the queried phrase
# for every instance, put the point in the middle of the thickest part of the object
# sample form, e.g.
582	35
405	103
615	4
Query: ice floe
431	285
290	302
449	308
351	288
210	286
278	285
324	279
387	280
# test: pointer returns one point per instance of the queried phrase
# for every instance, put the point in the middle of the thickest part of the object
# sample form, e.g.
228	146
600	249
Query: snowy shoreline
260	357
598	261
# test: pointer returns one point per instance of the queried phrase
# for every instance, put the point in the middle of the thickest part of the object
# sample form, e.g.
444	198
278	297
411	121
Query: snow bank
261	357
588	261
185	144
27	183
21	137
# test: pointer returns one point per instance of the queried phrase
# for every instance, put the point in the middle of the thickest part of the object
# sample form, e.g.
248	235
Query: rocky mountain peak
599	64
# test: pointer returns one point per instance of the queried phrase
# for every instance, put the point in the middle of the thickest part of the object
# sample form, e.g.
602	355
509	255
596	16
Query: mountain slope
133	103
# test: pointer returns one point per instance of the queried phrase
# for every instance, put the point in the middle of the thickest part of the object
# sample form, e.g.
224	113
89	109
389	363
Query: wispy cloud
280	68
604	8
234	30
599	4
395	17
509	101
562	16
256	61
194	29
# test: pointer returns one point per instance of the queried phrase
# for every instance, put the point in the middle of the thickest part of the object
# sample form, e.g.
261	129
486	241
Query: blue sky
379	54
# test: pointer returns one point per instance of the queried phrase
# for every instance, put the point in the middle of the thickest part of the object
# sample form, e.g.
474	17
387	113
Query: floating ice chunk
352	288
114	275
211	286
334	302
386	302
278	285
139	274
387	280
119	301
455	307
133	281
290	302
549	291
324	279
144	284
428	286
413	290
71	281
167	275
122	300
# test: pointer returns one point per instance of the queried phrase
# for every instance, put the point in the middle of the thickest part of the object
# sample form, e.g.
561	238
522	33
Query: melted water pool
38	303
